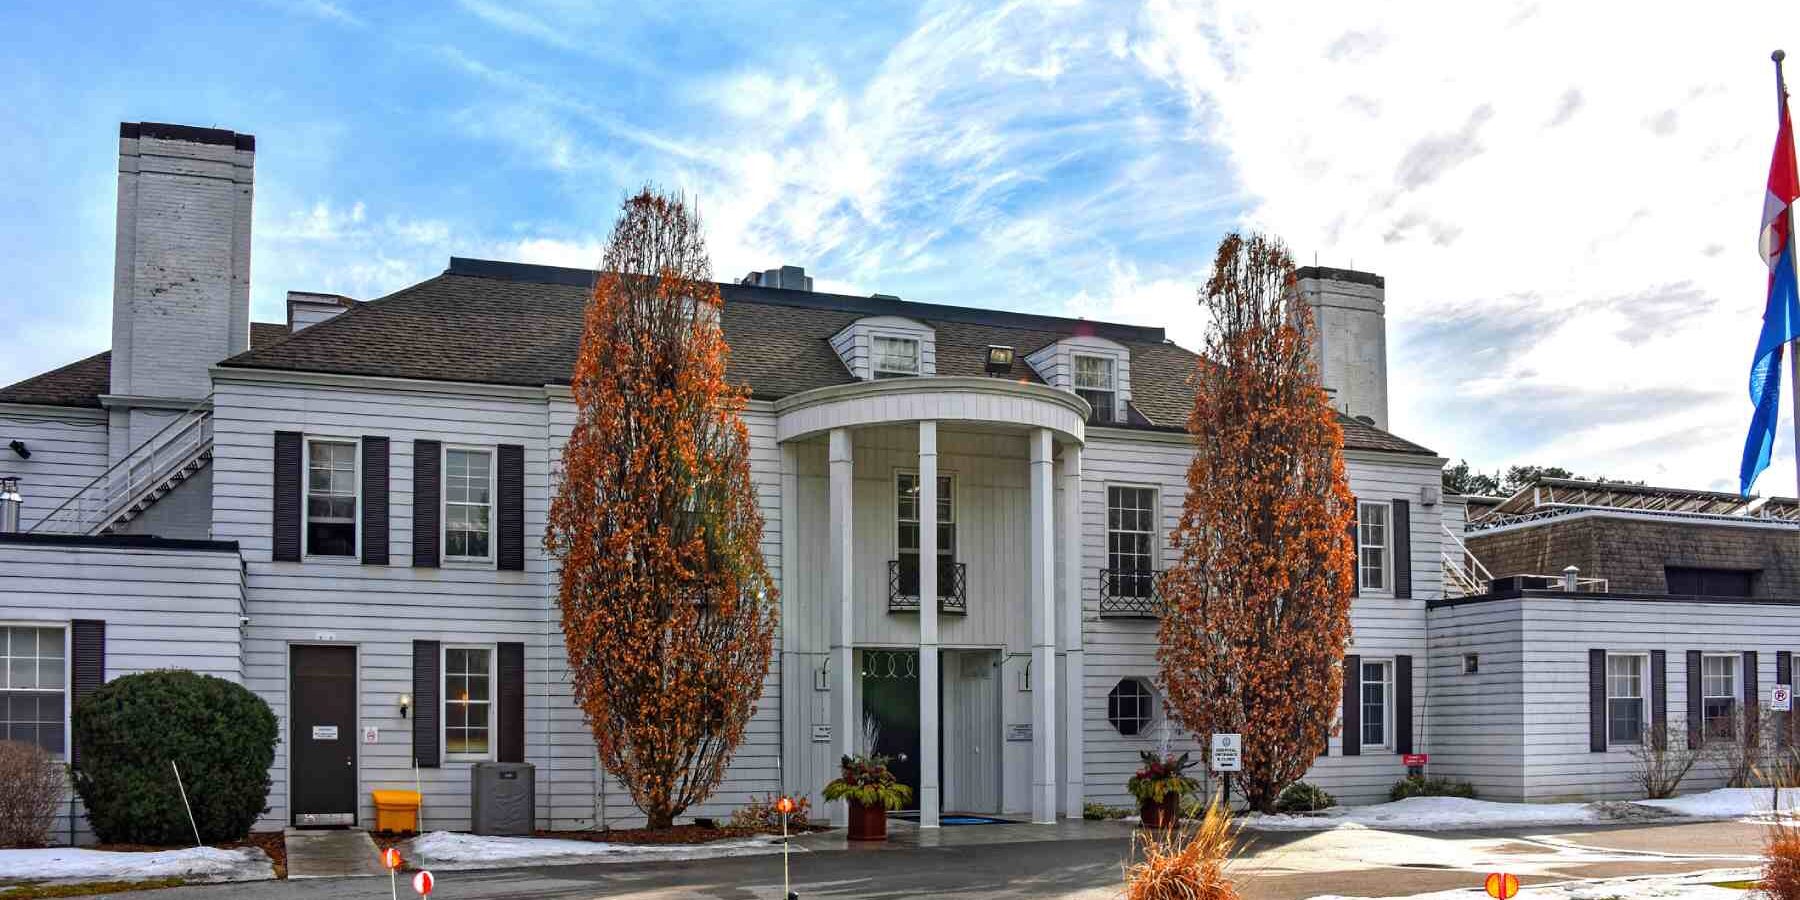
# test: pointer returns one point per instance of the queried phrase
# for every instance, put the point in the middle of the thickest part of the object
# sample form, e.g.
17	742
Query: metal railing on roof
139	478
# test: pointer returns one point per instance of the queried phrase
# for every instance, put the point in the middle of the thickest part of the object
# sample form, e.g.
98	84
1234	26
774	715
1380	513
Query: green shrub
1100	812
1303	797
1420	786
220	734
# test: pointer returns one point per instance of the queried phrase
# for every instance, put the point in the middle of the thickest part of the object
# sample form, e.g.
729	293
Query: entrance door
971	731
322	734
890	701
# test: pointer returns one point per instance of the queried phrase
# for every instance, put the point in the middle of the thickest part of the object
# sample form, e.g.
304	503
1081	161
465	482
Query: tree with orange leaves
668	613
1258	600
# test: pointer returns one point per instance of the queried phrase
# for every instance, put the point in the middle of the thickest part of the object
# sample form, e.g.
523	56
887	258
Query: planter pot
867	823
1161	814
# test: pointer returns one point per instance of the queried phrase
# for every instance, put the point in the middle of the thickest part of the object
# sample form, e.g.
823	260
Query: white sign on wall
1781	698
324	732
1018	732
1227	753
371	734
821	734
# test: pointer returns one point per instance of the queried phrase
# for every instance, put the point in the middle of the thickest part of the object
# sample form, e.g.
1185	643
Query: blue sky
1564	204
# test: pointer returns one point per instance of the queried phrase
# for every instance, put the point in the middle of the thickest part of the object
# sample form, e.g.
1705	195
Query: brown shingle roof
503	323
81	383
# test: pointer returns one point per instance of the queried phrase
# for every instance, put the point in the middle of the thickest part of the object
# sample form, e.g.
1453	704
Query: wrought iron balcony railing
1130	594
903	586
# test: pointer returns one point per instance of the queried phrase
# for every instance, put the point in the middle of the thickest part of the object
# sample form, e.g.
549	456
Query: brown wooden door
322	735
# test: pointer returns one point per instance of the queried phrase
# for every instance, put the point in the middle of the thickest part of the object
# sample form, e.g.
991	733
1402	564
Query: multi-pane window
1372	545
1718	694
1377	688
31	685
468	503
1131	540
896	356
906	487
1130	706
330	498
468	700
1625	707
1094	382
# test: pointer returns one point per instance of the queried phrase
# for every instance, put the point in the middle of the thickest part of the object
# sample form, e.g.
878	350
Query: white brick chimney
1350	338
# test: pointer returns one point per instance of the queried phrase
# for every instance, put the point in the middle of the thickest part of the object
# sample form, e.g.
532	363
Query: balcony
1130	594
903	586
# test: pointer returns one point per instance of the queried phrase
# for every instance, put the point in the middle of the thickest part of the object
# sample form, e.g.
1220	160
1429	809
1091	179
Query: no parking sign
1781	698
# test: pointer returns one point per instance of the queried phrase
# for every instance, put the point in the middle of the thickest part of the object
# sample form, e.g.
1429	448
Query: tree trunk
660	818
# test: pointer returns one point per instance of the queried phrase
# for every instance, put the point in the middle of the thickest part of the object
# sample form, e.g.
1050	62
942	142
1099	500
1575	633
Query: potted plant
1158	787
871	790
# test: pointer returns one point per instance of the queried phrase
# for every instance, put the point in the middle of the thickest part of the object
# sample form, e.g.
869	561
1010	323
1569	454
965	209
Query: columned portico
930	798
1068	518
1042	601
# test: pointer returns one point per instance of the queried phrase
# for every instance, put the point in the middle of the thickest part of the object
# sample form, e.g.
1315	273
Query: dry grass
1186	865
1781	860
87	889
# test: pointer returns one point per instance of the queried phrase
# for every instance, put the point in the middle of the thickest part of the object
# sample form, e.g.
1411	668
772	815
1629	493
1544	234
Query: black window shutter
427	490
1659	698
1693	700
1355	553
286	538
1352	736
1752	697
512	703
426	707
375	500
1402	549
87	667
1403	704
1784	674
1596	701
511	513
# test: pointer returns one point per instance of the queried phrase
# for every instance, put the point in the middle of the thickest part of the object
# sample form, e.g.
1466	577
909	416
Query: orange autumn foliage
668	612
1258	613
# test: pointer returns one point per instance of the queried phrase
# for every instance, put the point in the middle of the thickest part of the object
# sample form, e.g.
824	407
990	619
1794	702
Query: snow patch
1729	803
1690	886
75	864
449	850
1432	814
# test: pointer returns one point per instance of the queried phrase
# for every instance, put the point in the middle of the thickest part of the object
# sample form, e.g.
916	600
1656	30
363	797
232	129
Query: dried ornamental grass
1181	865
31	789
1781	859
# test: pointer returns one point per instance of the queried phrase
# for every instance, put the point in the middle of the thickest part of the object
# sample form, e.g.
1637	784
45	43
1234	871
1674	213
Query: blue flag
1781	317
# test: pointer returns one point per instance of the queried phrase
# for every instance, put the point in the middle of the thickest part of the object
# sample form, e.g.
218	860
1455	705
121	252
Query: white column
839	585
796	667
1069	549
1042	600
930	798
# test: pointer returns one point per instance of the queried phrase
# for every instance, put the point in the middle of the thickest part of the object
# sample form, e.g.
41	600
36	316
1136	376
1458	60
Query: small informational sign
324	635
1227	753
324	732
822	734
1781	698
1018	732
371	734
1414	760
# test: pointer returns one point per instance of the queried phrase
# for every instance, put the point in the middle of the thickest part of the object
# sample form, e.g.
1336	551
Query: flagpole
1794	345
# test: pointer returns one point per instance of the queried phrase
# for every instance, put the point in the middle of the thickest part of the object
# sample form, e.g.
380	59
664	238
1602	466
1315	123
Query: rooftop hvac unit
505	798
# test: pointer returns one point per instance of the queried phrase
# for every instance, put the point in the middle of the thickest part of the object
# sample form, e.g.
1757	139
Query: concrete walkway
331	853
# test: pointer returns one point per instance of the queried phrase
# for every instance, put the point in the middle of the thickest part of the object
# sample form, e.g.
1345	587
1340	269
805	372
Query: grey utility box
505	798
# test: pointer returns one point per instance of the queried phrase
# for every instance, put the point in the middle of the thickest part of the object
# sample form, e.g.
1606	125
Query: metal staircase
1464	575
172	455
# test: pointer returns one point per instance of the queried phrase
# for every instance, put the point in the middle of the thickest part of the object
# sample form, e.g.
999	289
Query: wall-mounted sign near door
324	732
1018	732
821	734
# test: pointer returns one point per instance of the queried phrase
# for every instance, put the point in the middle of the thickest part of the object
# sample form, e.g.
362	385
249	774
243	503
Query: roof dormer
887	347
1095	368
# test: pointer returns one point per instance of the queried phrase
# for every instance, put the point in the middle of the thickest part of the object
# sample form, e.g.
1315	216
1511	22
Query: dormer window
1096	382
896	357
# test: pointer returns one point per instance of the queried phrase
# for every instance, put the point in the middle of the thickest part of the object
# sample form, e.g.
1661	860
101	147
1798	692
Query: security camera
20	448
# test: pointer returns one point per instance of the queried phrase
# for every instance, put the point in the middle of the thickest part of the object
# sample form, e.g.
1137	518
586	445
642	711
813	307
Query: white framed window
1627	698
34	676
1131	706
1096	381
1377	702
895	356
1131	539
1719	693
906	507
1372	546
332	497
468	504
468	702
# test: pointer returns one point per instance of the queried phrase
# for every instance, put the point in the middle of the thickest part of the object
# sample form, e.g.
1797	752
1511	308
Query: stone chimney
181	268
1350	338
791	278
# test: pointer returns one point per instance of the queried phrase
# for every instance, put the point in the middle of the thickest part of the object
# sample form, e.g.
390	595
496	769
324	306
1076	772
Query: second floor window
1131	540
1095	383
330	498
1372	545
896	357
468	504
906	485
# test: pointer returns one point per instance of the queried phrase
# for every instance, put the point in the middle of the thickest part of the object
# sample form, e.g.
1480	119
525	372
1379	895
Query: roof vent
787	278
1366	420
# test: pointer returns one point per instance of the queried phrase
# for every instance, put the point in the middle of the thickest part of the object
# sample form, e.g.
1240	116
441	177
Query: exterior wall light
19	447
405	704
999	359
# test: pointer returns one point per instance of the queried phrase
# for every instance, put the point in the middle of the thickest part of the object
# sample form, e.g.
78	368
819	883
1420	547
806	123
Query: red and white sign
422	883
1411	760
390	858
1502	886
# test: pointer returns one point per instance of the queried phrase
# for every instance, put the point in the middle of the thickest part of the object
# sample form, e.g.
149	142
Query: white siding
855	344
1055	363
1475	723
68	450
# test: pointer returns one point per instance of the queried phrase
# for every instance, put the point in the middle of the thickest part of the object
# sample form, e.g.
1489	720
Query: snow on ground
1450	813
1729	803
1691	886
448	850
74	864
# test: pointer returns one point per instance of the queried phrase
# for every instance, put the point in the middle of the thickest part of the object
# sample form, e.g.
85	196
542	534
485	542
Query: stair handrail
81	499
1469	573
